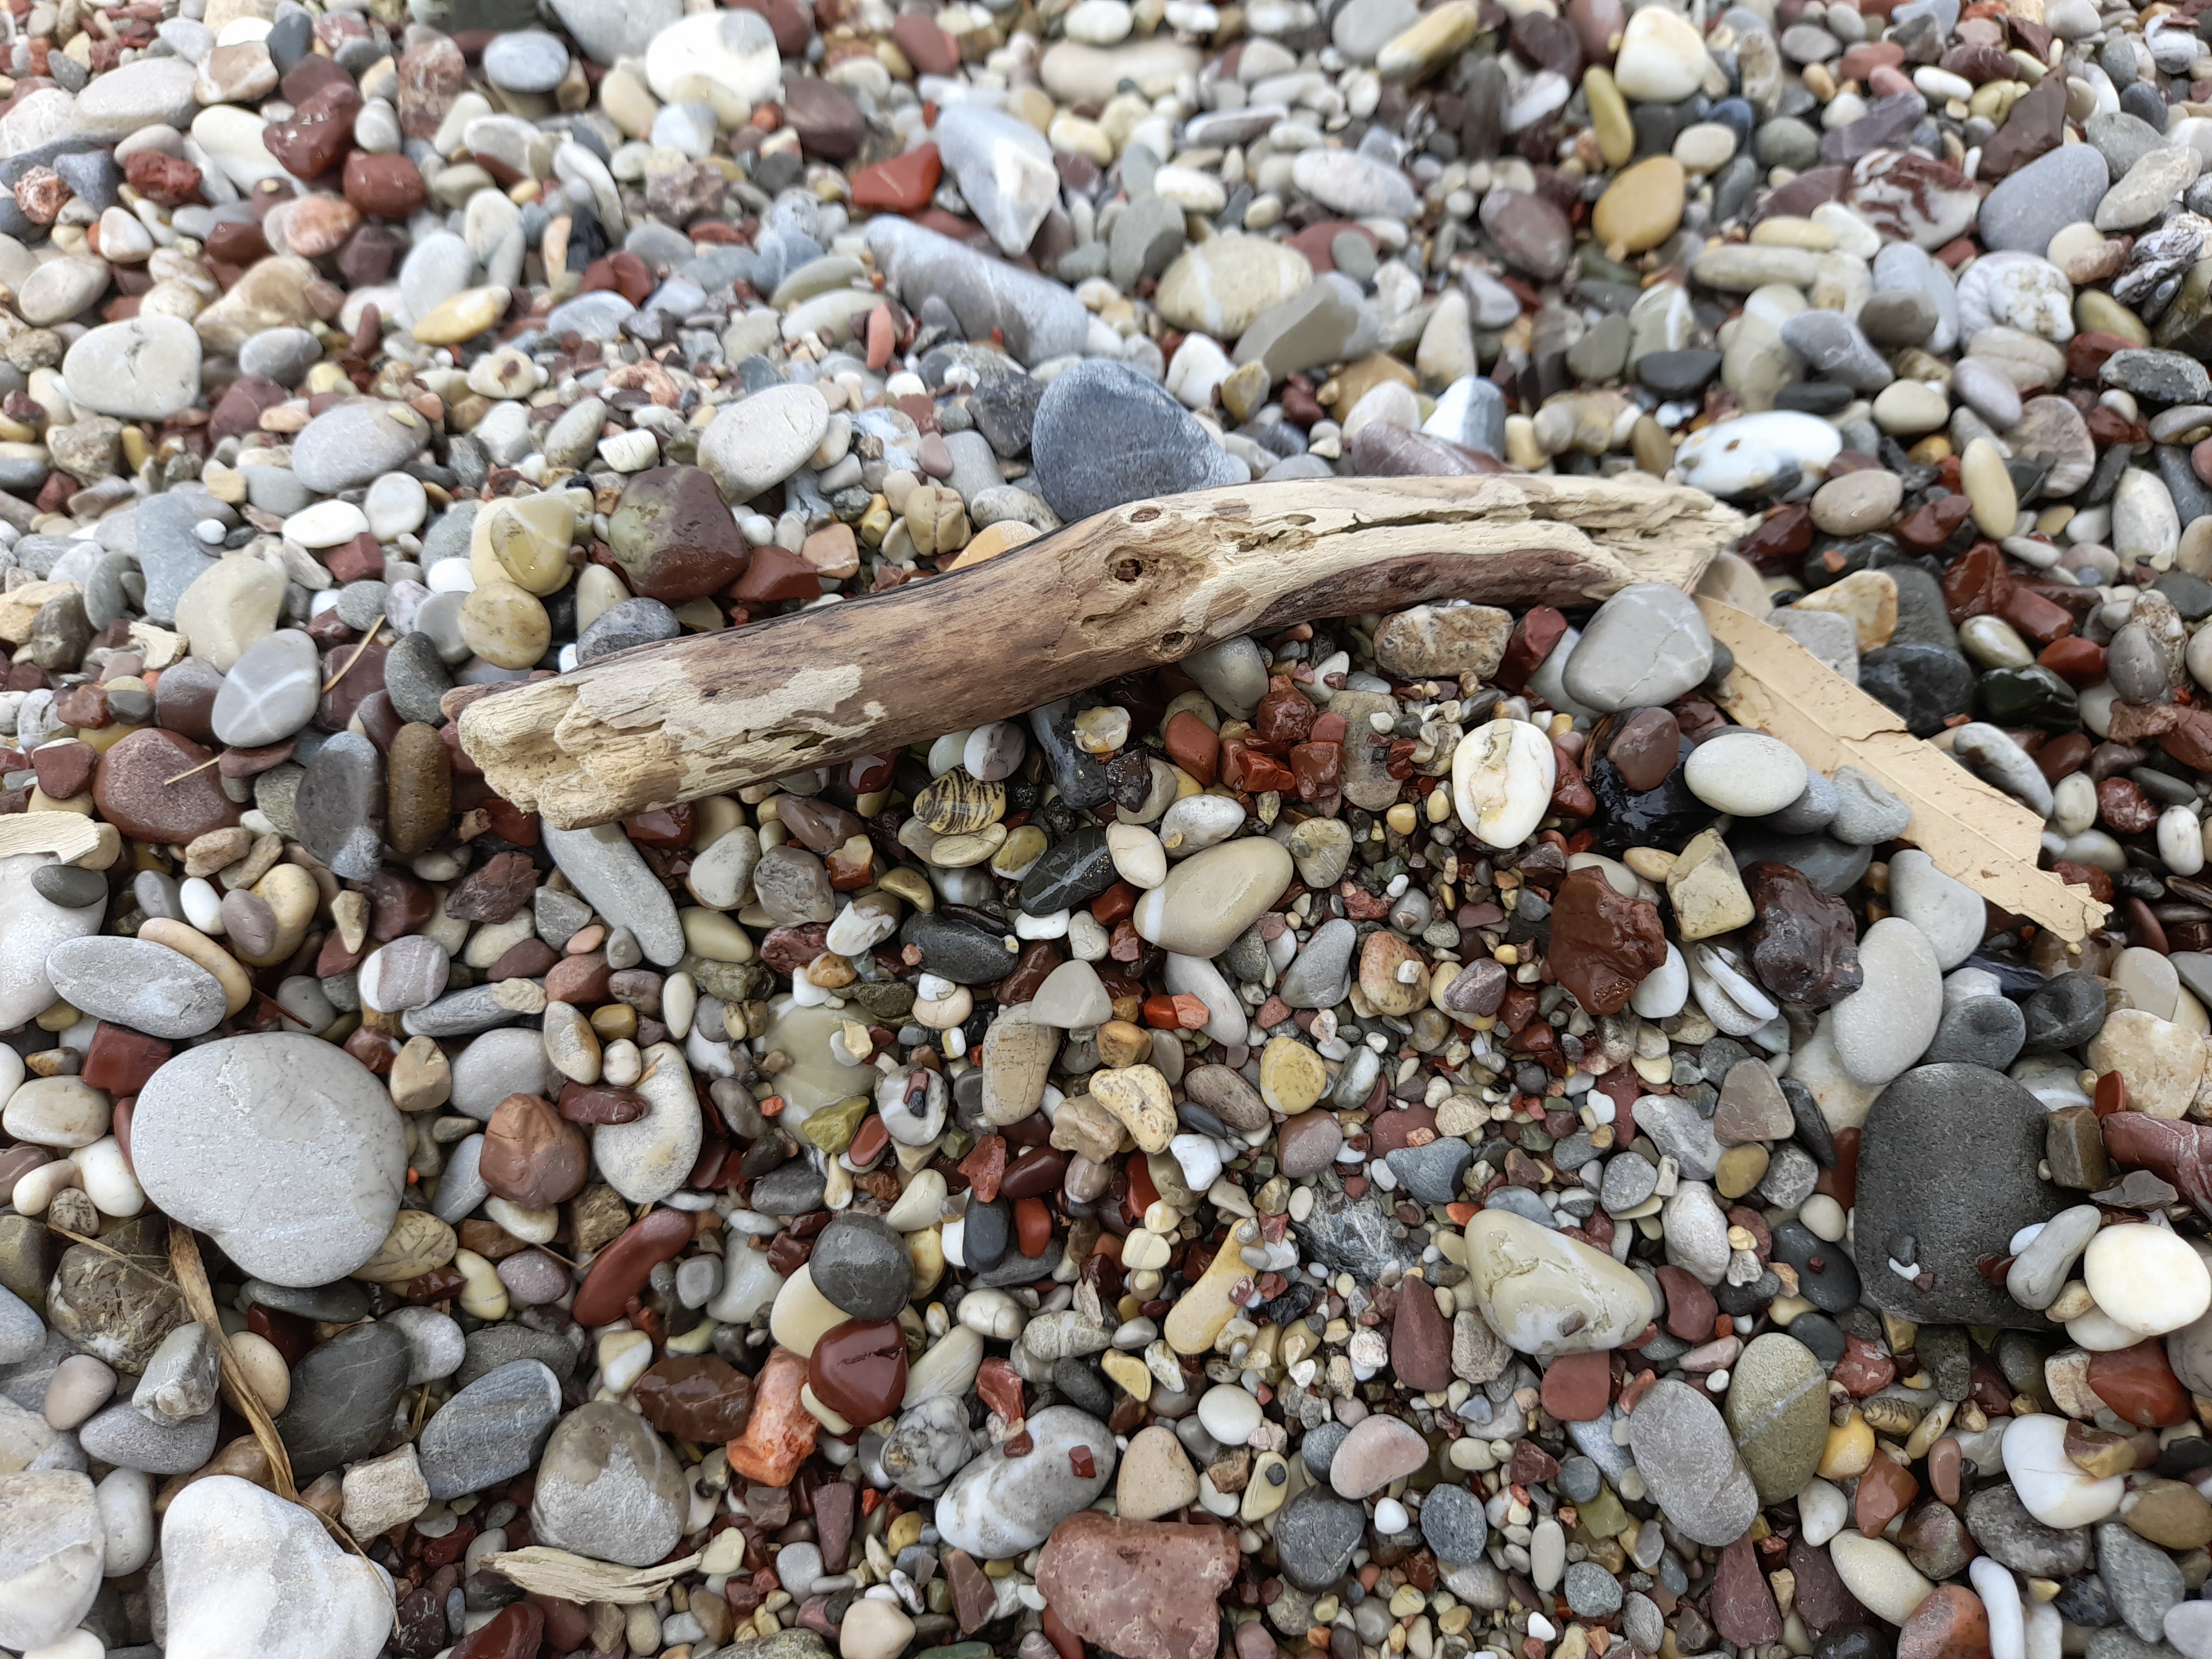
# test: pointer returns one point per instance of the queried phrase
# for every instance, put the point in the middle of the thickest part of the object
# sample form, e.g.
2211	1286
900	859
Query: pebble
1098	409
230	1547
343	1172
1646	645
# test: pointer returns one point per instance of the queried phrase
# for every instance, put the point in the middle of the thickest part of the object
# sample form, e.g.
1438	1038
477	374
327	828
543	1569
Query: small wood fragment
68	835
1973	831
541	1570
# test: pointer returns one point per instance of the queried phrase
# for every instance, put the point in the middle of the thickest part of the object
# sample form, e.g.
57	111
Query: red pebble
620	1270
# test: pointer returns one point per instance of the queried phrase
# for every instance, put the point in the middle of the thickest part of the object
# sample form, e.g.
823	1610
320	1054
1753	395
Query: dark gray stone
1431	1173
2065	1013
491	1430
1979	1031
1315	1534
1104	435
343	1397
634	622
1453	1523
1948	1173
861	1264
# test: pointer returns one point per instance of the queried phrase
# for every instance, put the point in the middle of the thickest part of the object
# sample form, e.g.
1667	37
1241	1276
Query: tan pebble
237	988
265	1372
506	625
291	892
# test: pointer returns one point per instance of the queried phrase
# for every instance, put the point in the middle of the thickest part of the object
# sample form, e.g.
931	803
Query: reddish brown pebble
696	1398
1644	747
531	1155
141	788
1146	1589
1604	944
858	1369
1576	1387
1951	1623
2139	1385
621	1268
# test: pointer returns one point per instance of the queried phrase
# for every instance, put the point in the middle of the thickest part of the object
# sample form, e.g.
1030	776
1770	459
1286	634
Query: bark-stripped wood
1143	585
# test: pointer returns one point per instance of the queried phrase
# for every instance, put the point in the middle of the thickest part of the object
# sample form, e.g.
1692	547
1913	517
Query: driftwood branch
1143	584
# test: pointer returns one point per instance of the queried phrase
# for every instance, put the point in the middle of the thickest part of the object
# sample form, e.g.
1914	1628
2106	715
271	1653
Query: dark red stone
1577	1386
700	1398
621	1269
1742	1606
858	1369
1804	944
1603	943
1420	1340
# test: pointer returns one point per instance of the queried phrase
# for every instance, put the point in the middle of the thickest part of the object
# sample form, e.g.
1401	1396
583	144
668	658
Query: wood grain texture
1145	584
1974	831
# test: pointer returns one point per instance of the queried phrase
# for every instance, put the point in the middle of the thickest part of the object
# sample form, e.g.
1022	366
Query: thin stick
375	628
202	767
199	1297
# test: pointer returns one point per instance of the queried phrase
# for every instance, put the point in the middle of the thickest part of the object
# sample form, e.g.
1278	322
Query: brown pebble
419	785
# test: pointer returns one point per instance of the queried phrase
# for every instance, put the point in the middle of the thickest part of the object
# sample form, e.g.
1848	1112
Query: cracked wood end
1145	584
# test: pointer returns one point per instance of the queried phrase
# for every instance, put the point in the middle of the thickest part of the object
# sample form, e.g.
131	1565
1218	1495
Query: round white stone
1502	776
1228	1414
2146	1279
1746	773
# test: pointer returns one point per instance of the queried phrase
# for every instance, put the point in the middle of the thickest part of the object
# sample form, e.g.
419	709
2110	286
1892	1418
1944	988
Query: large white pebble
2051	1487
1502	776
2147	1279
1746	773
1228	1414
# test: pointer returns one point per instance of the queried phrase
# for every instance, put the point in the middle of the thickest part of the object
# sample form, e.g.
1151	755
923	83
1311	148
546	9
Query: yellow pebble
1849	1450
465	316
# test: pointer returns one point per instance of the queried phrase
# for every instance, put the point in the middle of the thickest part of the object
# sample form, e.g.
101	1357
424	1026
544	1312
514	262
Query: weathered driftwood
1143	585
543	1570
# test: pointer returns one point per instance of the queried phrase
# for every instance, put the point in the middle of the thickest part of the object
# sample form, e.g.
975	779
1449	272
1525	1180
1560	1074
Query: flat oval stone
283	1149
611	875
1689	1461
138	983
342	1397
349	444
1211	898
270	692
145	368
998	1506
1647	644
141	788
491	1430
1776	1410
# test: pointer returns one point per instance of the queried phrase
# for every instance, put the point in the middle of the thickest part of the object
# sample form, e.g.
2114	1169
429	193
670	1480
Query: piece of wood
543	1570
1145	584
68	835
1972	830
